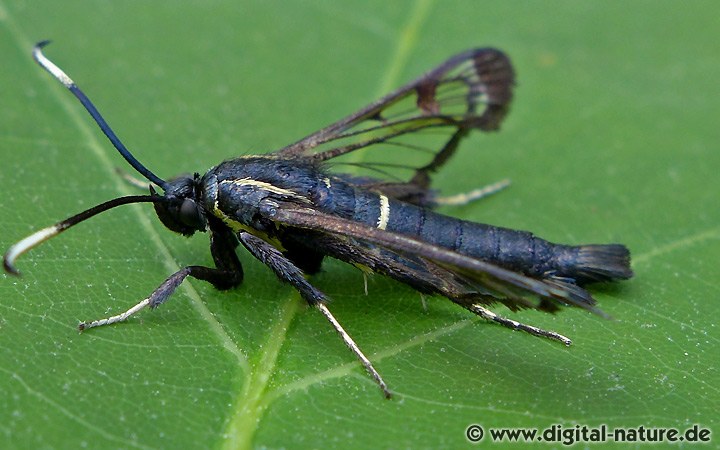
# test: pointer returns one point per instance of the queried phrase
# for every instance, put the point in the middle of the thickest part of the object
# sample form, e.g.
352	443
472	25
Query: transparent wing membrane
471	90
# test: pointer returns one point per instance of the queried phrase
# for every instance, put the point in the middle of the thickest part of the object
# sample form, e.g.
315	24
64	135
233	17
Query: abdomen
515	250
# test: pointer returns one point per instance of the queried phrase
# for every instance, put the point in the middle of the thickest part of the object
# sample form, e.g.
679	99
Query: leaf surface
612	138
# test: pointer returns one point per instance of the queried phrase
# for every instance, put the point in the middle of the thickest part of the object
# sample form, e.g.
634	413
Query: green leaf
612	138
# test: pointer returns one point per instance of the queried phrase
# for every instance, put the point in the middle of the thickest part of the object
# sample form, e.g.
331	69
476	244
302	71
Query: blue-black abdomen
234	189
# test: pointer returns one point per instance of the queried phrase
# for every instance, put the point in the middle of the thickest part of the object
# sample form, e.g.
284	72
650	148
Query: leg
289	273
355	349
489	315
162	293
422	178
228	274
427	277
417	189
223	243
467	197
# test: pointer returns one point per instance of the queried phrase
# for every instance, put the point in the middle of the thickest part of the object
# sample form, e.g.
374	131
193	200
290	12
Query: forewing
490	279
471	90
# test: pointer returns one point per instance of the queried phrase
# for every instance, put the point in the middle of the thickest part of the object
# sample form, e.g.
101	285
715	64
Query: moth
294	207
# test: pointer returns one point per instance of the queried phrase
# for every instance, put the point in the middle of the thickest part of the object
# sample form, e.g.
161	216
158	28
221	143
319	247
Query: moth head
180	211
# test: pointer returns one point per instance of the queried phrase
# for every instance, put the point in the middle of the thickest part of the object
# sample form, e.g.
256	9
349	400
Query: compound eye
190	214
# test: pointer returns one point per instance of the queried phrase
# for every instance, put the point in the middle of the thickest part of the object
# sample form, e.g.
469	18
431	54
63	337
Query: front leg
223	243
228	274
290	273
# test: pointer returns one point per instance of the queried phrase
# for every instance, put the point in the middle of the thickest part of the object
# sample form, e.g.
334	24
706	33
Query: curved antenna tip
42	44
37	53
26	244
9	267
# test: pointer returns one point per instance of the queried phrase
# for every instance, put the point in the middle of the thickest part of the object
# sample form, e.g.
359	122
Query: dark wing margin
471	90
507	286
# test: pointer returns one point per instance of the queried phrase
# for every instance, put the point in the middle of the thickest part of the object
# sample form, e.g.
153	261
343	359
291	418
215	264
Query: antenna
62	77
43	235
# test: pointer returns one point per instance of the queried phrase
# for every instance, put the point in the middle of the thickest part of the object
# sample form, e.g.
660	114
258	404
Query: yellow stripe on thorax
237	227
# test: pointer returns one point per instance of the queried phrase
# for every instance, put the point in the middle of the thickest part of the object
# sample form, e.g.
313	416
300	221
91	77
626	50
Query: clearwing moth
291	208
